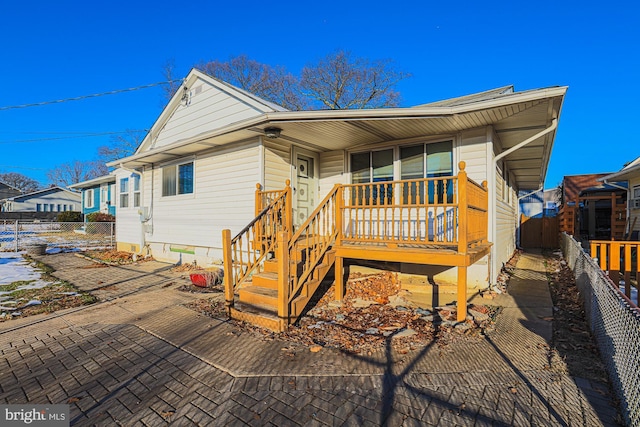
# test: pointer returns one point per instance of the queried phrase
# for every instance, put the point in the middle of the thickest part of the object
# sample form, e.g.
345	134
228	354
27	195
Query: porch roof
515	117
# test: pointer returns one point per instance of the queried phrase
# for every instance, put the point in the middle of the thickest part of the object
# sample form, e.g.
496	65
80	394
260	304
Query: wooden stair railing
309	251
244	253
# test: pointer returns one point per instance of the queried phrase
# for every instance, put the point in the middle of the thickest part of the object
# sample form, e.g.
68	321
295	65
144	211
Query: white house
196	171
52	199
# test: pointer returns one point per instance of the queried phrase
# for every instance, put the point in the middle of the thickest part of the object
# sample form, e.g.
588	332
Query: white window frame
88	198
123	200
176	167
136	190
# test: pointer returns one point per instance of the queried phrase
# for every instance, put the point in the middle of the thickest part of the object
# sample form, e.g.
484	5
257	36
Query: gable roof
42	192
515	116
10	186
629	171
258	104
468	99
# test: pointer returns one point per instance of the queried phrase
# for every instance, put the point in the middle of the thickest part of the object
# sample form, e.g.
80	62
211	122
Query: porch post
288	209
339	278
462	294
282	255
228	269
462	209
258	203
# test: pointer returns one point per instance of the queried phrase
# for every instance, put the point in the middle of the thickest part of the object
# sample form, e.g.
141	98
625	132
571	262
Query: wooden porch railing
449	212
306	249
620	259
243	254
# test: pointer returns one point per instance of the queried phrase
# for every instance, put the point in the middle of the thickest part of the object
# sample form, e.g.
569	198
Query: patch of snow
13	267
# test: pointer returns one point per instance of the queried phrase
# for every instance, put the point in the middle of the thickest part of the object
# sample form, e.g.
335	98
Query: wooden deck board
412	253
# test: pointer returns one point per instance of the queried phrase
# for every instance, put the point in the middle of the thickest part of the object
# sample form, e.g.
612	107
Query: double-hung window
177	179
88	198
124	192
373	167
434	160
136	191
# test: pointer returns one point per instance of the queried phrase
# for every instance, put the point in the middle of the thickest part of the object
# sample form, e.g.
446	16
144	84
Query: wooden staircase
257	298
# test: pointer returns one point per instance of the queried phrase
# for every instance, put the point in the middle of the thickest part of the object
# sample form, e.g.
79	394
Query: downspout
492	200
143	218
520	198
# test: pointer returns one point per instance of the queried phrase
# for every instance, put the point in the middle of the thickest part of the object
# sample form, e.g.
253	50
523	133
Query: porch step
257	295
260	319
265	279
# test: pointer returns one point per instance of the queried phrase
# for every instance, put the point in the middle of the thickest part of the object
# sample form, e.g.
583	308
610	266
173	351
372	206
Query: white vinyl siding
472	149
331	171
277	165
210	109
226	182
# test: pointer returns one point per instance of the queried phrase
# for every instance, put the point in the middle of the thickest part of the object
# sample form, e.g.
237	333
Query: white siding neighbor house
52	199
631	174
196	171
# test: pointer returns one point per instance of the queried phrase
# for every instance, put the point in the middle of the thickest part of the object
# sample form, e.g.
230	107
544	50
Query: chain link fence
615	323
37	237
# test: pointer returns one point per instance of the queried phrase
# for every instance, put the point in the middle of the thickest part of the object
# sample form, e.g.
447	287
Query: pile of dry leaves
373	315
113	256
571	337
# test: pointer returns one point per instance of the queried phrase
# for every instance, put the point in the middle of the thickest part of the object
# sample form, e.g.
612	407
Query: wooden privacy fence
539	232
620	260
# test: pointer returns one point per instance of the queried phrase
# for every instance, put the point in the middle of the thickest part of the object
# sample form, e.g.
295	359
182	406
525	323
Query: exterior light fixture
272	132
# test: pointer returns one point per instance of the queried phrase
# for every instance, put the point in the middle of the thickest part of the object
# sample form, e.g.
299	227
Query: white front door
305	186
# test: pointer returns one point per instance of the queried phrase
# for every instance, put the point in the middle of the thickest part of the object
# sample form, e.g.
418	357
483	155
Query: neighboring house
98	195
551	202
531	204
52	199
6	192
572	185
630	174
196	171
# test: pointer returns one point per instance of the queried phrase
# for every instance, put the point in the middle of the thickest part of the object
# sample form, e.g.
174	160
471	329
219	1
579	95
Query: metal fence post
16	238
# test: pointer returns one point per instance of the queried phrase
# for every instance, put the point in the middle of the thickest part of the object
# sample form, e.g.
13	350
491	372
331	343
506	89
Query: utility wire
95	95
86	135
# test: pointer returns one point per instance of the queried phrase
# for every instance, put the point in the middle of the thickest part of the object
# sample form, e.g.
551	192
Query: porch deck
431	221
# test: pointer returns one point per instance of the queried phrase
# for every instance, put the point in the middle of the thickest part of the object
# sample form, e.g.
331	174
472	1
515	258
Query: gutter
492	200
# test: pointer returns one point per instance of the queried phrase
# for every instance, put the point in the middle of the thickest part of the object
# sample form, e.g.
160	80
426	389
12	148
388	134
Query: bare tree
77	171
169	74
338	81
19	181
121	145
274	84
341	81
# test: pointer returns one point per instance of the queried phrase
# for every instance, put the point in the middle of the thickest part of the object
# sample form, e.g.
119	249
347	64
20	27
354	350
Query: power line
85	135
95	95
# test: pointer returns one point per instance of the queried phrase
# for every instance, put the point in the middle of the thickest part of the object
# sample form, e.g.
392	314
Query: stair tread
267	275
261	290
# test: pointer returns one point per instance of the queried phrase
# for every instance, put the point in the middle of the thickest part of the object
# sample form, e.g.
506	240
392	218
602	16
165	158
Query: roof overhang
515	117
623	175
92	182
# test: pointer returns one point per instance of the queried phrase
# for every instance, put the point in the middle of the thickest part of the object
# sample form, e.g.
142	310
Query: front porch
272	270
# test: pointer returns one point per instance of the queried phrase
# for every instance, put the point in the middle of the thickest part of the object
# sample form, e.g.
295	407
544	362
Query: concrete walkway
145	359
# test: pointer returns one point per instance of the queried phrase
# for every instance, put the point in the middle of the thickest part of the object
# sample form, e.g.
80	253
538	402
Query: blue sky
54	50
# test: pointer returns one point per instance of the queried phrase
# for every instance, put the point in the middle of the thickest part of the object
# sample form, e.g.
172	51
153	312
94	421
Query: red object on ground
199	279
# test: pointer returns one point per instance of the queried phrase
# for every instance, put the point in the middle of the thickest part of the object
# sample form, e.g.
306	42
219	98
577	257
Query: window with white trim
88	198
136	191
636	192
416	161
177	179
124	192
